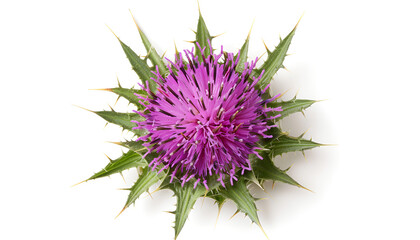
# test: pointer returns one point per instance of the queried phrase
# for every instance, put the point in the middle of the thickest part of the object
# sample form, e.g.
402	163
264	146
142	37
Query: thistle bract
205	118
204	124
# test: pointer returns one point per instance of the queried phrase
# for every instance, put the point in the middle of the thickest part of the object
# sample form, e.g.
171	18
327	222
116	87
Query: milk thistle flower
204	124
205	118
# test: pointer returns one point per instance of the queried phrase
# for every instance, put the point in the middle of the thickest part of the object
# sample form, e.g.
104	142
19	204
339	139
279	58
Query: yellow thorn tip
84	108
163	55
299	21
218	35
121	212
261	56
234	215
329	145
113	33
101	89
199	12
306	188
157	189
123	177
262	229
282	94
176	49
79	183
135	22
218	215
249	33
265	45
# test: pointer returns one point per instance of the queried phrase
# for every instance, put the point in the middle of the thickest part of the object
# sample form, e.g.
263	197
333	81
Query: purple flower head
205	118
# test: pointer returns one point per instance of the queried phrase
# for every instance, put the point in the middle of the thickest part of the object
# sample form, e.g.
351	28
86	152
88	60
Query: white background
362	56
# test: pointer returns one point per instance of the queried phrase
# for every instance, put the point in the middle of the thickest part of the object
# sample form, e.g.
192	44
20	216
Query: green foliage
128	93
239	193
285	143
251	178
289	107
266	170
202	37
126	161
146	179
136	146
151	52
275	132
275	60
122	119
218	199
139	66
186	197
243	55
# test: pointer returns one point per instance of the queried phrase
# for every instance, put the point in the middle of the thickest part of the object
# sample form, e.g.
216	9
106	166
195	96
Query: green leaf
137	146
289	107
139	66
218	199
285	143
122	119
128	93
151	52
275	60
266	170
186	197
239	193
243	57
275	132
251	177
126	161
145	181
202	37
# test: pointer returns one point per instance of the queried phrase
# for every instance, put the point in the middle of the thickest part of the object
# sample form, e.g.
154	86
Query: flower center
205	118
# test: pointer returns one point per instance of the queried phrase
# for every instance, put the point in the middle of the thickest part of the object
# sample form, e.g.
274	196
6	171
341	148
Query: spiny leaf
186	197
139	66
274	132
128	93
202	37
166	184
239	193
243	54
218	199
126	161
289	107
137	146
122	119
151	52
285	143
250	176
275	60
266	170
145	181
